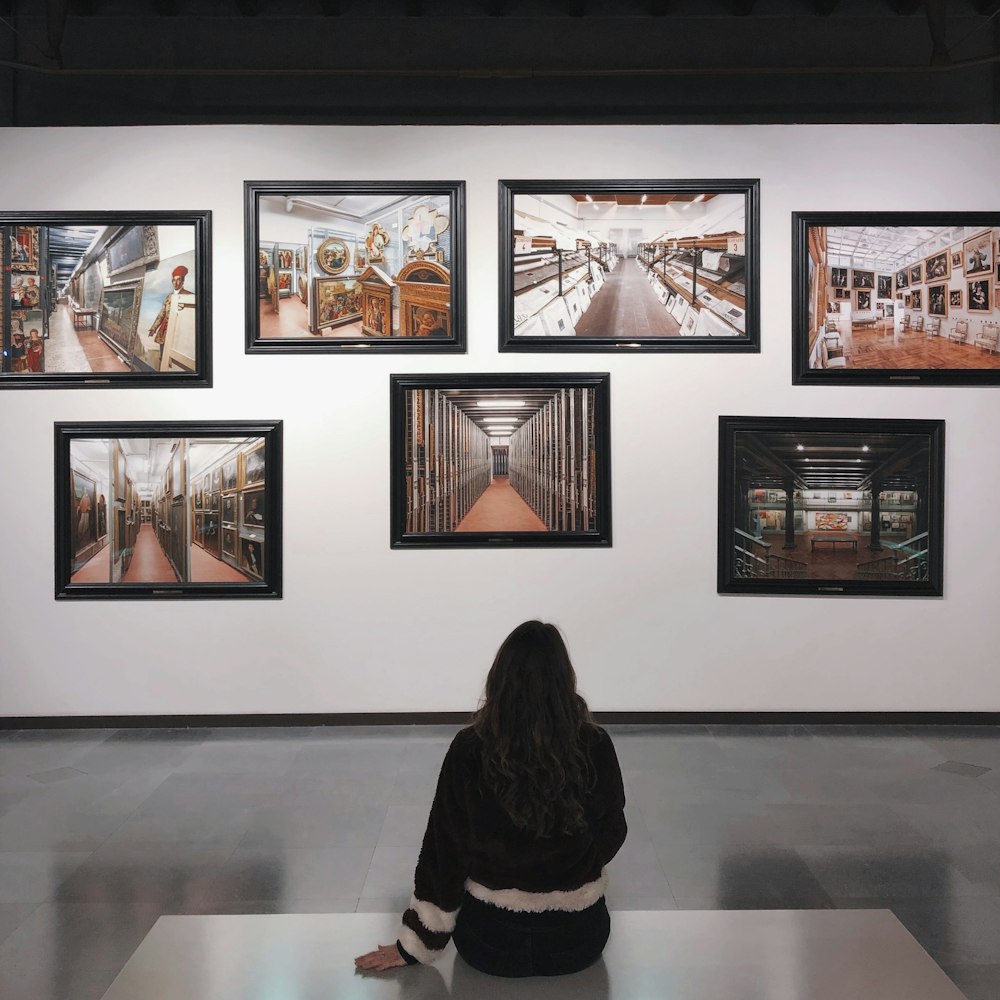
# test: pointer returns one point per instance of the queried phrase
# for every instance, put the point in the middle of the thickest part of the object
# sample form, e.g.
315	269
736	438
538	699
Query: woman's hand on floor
387	957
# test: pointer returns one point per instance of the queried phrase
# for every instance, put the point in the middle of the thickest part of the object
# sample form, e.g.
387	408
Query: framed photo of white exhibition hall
629	265
355	267
895	298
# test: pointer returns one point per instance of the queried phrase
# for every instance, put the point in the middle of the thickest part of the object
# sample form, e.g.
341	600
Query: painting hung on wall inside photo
654	265
158	533
351	250
945	323
118	303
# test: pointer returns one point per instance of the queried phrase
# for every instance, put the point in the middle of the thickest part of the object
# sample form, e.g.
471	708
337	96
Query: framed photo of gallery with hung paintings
105	300
925	310
500	460
168	510
831	506
652	265
342	267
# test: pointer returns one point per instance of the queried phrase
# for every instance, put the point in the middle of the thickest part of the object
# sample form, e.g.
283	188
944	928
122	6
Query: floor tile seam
27	916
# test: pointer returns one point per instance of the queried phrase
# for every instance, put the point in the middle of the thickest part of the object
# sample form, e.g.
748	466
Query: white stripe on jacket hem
521	901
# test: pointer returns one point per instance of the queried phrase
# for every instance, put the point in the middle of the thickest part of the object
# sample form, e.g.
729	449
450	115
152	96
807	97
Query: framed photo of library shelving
629	265
924	309
105	300
355	267
831	506
168	510
500	460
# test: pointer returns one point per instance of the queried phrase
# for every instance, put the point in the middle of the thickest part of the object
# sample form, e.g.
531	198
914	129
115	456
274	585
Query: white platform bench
680	954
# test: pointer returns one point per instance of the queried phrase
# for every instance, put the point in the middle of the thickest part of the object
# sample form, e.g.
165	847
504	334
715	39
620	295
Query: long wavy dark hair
532	725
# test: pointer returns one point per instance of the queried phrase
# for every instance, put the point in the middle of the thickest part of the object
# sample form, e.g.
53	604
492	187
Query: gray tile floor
101	831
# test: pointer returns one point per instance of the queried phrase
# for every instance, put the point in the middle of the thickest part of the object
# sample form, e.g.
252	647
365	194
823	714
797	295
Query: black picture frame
821	356
833	466
560	280
421	406
439	285
170	513
120	289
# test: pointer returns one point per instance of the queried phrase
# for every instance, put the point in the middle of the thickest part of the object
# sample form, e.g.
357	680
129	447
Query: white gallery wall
365	629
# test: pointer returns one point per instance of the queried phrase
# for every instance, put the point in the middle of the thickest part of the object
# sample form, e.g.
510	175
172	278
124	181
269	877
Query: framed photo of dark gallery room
630	265
168	510
896	298
500	460
831	506
355	267
105	300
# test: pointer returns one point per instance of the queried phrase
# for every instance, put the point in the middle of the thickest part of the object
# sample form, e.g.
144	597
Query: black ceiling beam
988	7
167	8
81	8
825	7
577	8
741	8
495	8
330	8
906	7
414	8
658	7
248	8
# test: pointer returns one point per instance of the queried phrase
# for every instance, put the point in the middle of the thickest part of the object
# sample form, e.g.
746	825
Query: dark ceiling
100	62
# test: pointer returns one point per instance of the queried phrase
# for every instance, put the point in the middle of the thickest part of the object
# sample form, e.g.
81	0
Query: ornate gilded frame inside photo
500	460
831	506
651	265
105	300
947	330
355	266
138	510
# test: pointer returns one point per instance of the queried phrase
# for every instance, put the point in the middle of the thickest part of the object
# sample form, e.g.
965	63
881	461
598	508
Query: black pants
552	943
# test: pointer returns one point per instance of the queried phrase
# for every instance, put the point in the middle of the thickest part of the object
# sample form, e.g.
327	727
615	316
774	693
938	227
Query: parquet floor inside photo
880	347
103	831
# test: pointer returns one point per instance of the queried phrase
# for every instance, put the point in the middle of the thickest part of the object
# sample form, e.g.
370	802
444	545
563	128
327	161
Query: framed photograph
937	300
884	286
105	300
978	254
252	466
228	508
862	279
658	265
914	346
829	506
937	267
863	300
344	266
253	508
177	552
499	460
229	468
838	277
979	296
956	259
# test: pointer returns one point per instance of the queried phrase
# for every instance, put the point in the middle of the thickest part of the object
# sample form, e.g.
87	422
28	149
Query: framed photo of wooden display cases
500	460
166	510
355	266
654	265
105	300
831	506
945	325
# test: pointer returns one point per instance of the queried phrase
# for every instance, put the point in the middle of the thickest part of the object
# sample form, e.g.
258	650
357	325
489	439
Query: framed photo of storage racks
629	265
831	506
165	510
500	460
926	321
105	300
355	266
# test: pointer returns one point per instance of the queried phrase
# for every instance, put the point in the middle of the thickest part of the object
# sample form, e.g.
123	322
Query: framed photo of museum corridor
828	506
500	460
105	300
928	265
136	517
341	267
629	265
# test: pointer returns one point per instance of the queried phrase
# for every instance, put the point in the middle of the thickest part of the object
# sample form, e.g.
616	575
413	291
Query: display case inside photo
165	510
938	268
830	506
99	299
629	265
355	266
500	460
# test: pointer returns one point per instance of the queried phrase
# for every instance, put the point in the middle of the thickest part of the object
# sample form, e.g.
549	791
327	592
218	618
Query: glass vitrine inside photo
612	265
167	511
928	317
350	266
104	299
831	506
502	459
